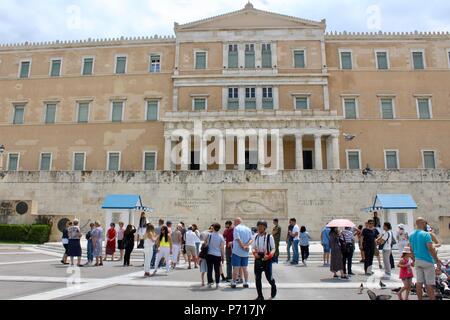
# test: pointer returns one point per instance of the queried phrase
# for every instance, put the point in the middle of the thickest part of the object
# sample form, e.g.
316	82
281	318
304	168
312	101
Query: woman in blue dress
97	244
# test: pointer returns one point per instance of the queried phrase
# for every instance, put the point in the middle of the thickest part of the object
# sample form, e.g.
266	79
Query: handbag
381	246
204	250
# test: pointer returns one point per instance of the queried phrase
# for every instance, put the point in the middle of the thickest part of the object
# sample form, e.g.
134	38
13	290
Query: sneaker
246	285
233	286
260	298
217	286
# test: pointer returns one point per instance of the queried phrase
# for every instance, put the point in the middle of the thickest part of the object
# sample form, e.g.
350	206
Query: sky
48	20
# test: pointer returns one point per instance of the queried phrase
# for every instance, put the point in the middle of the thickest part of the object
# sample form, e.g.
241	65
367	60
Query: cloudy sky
31	20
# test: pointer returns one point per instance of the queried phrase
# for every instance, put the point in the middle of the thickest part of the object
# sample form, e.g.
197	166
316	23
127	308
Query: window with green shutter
200	60
50	113
150	161
233	56
113	161
199	104
233	99
83	112
88	66
429	160
387	109
353	160
46	159
121	65
250	98
250	56
267	98
13	162
346	60
117	111
266	55
391	160
55	70
19	113
350	108
301	103
299	58
424	108
24	69
78	161
382	60
418	61
152	110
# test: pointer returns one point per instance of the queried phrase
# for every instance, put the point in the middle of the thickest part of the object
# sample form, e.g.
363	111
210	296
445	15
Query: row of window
387	108
83	112
201	60
79	161
391	159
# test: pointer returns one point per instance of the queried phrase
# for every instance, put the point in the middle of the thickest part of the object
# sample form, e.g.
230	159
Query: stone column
335	147
261	152
241	152
318	151
168	153
203	153
222	153
185	153
298	151
280	152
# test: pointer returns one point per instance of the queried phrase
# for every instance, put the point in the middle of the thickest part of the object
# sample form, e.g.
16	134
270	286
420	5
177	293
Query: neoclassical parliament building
327	100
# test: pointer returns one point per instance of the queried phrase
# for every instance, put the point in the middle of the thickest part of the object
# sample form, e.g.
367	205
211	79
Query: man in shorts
242	239
425	256
325	241
190	238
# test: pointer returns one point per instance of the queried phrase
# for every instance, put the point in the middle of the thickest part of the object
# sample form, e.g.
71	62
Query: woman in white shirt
149	242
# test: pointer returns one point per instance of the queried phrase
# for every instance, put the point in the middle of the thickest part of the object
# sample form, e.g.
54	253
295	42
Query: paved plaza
35	272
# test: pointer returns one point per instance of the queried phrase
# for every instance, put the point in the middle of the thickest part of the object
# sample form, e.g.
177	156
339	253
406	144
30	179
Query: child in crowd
406	273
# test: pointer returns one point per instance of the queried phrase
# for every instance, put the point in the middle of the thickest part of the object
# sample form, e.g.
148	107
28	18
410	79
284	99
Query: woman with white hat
402	238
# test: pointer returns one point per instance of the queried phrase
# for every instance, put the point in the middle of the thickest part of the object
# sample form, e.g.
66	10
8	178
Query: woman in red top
111	241
406	272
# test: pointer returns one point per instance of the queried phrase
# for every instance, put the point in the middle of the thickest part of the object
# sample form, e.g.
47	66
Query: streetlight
2	150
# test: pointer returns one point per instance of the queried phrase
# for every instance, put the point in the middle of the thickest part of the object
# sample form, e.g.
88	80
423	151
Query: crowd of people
214	252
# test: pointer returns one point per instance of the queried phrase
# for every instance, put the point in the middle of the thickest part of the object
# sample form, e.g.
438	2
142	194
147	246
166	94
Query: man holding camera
263	251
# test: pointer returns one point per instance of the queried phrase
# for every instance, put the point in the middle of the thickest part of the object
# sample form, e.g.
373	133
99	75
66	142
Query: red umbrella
341	223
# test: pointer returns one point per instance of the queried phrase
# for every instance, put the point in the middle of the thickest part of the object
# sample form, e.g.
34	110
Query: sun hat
406	250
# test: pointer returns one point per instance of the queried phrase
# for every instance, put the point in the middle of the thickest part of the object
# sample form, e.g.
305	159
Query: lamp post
2	150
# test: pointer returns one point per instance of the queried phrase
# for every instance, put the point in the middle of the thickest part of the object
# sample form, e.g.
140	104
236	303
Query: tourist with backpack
263	251
385	243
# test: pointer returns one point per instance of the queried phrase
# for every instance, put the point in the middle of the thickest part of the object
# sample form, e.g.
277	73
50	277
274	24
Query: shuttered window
149	161
199	104
83	112
13	162
233	99
391	160
418	61
24	69
113	161
50	113
152	110
250	98
382	60
19	113
301	103
299	58
346	60
78	161
267	98
350	108
121	65
353	160
55	70
46	159
250	56
387	109
88	66
233	56
117	111
266	55
200	60
424	108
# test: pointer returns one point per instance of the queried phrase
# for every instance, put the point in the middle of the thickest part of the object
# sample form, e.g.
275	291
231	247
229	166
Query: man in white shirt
190	238
295	233
263	251
385	240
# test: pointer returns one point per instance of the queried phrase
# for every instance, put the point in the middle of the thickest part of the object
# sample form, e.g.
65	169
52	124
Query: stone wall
313	197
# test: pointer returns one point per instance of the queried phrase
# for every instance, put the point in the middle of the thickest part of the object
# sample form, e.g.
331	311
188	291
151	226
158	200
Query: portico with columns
291	143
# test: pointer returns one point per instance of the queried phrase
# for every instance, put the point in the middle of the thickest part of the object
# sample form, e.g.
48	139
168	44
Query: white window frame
356	106
156	159
115	63
93	65
195	58
18	160
20	68
341	50
60	67
308	101
394	114
45	113
430	106
347	151
304	54
150	61
24	105
199	97
423	57
89	111
387	58
123	111
107	159
146	109
84	159
40	160
398	158
423	157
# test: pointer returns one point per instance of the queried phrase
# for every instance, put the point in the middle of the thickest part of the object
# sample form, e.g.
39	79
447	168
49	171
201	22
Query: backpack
393	241
204	250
